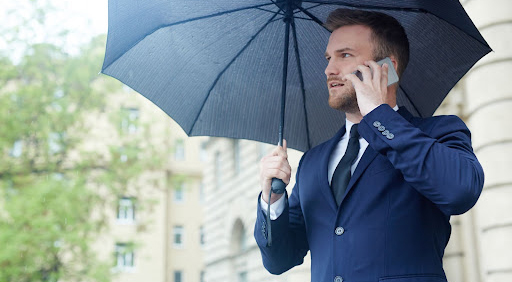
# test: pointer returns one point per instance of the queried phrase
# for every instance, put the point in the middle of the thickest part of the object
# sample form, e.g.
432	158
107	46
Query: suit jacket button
339	231
381	128
385	132
390	136
338	279
376	123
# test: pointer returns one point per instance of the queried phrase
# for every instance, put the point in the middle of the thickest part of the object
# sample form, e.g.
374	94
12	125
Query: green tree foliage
51	208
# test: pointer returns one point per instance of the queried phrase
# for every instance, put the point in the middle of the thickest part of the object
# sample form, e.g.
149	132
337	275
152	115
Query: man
407	175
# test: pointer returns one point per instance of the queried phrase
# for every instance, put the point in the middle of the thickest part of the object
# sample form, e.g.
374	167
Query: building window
242	240
201	236
178	236
126	210
242	276
124	256
129	120
17	149
239	238
179	150
203	153
178	276
236	155
179	192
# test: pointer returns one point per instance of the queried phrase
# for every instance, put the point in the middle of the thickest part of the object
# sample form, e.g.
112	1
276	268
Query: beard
344	100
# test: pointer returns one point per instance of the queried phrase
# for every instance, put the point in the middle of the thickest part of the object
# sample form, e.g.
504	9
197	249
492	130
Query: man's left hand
372	91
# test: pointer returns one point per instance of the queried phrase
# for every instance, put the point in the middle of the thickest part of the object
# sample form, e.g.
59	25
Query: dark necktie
342	174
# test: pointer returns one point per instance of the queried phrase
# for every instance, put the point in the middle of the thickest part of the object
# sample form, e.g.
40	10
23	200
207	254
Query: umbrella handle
278	186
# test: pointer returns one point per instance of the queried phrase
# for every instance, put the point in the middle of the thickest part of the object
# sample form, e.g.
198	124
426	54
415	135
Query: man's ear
395	63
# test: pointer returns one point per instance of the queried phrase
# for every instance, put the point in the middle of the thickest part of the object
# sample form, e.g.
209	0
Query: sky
83	19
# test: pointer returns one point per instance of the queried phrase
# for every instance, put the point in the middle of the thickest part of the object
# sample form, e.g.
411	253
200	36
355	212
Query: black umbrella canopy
216	67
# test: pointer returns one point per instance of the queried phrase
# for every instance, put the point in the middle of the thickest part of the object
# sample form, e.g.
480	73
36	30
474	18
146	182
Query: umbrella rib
226	68
301	79
315	19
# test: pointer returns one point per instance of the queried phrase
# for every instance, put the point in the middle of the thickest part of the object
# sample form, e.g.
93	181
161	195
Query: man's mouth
335	84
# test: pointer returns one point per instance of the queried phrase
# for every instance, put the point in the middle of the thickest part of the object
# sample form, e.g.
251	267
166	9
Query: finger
366	72
279	174
356	82
376	70
275	162
278	151
283	173
274	159
285	148
384	77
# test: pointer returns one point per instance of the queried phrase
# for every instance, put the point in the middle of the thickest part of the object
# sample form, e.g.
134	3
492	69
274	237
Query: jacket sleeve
437	160
289	241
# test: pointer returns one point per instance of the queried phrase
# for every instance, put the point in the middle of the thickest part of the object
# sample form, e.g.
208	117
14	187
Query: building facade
231	180
155	224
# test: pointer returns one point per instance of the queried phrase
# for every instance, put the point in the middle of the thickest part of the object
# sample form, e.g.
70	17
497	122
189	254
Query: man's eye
328	58
345	55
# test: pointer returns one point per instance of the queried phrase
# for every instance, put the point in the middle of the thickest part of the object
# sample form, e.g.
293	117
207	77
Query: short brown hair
388	35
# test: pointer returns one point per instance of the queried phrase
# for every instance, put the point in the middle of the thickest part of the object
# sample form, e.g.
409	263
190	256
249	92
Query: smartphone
392	75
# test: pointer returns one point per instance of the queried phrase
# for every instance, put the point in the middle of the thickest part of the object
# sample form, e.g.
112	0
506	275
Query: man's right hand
274	165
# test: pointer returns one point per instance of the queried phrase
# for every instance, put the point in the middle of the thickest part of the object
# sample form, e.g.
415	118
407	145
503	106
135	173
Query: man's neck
354	117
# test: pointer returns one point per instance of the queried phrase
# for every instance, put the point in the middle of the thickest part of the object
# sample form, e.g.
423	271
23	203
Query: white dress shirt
276	209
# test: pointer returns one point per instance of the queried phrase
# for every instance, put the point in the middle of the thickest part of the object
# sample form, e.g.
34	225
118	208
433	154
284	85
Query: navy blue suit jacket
393	222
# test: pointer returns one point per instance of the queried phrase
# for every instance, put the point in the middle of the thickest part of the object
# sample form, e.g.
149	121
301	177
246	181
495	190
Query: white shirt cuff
276	209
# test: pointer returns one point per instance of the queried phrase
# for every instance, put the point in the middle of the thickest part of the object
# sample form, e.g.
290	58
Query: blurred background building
481	245
156	229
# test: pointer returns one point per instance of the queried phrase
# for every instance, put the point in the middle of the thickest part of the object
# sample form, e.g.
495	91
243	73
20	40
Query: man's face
348	47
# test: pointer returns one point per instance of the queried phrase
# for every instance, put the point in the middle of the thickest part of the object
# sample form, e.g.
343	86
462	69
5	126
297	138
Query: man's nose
331	69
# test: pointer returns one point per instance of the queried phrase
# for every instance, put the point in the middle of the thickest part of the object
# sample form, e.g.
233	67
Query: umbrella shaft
288	18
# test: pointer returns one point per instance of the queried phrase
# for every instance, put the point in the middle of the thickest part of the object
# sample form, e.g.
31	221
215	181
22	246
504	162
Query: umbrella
219	68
